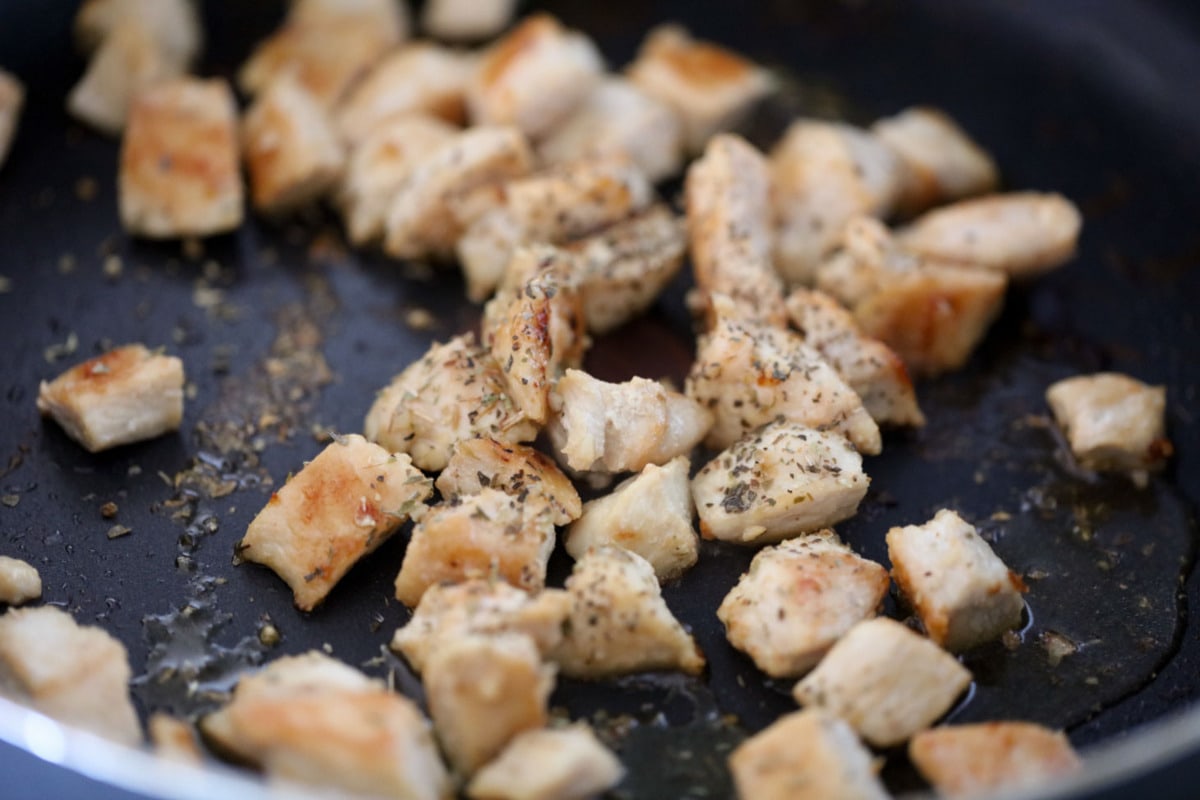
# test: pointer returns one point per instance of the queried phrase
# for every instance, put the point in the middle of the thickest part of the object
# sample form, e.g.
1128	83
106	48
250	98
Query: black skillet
1098	100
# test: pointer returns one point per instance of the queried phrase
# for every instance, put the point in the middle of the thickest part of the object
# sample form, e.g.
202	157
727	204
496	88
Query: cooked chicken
126	395
515	469
314	720
388	17
485	249
805	755
885	681
969	760
748	374
578	198
649	514
622	427
19	581
467	20
932	314
173	24
619	623
485	535
173	739
1022	234
534	76
941	160
448	611
798	599
291	152
709	87
962	592
870	367
179	171
77	674
557	764
482	692
454	392
1113	423
729	227
12	98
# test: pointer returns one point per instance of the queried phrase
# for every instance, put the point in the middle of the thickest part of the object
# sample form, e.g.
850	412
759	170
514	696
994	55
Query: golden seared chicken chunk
515	469
870	367
467	20
619	622
485	535
12	98
482	606
1022	234
289	146
126	395
179	171
649	514
748	374
534	77
618	117
709	87
1113	423
962	592
551	764
19	581
174	25
173	739
483	691
942	162
389	17
344	503
970	760
884	680
314	720
798	599
76	674
455	391
729	227
420	78
805	755
824	175
622	427
933	314
784	480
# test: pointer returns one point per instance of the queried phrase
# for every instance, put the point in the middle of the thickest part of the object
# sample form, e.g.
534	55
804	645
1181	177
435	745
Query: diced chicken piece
77	674
482	692
932	314
19	581
798	599
515	469
782	481
578	198
126	395
941	160
622	427
421	78
709	87
467	20
290	149
389	17
729	226
128	61
422	219
618	117
345	503
748	374
969	760
624	268
556	764
826	174
885	681
379	166
962	592
805	755
12	98
1113	423
173	24
1022	234
619	622
179	161
870	367
485	535
314	720
173	739
534	77
480	606
454	392
485	249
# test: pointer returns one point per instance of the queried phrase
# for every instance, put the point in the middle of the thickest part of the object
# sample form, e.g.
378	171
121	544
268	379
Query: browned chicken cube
19	581
174	25
970	760
515	469
467	20
551	764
